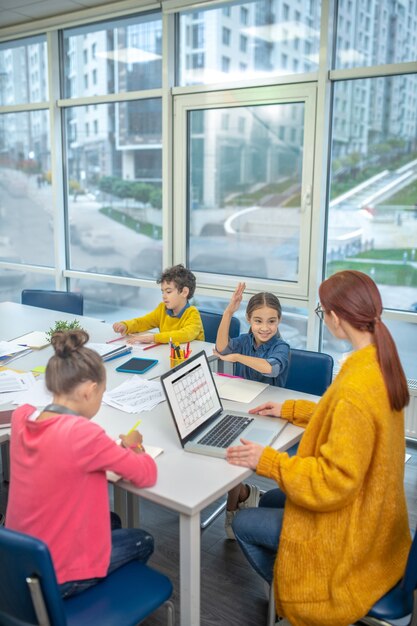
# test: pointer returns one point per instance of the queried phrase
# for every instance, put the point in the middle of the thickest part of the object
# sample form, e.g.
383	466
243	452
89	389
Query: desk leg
190	570
126	505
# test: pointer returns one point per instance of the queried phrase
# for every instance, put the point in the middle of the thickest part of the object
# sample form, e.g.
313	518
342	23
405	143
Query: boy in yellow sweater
175	318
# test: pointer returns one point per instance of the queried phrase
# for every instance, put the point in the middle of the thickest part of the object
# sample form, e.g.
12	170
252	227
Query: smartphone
136	365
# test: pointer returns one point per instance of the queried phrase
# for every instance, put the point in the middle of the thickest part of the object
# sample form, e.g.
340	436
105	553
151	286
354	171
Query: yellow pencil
134	427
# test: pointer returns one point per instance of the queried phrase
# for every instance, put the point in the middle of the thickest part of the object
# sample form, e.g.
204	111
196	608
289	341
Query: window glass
115	302
375	33
123	55
372	223
23	71
404	335
25	183
244	187
115	188
262	38
13	280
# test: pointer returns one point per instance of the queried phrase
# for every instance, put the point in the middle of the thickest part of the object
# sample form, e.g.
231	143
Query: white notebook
238	389
36	339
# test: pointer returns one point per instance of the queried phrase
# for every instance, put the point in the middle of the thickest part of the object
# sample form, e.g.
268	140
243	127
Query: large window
252	140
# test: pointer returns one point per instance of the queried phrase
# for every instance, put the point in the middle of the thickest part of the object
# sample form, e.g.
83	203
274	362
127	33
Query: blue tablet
136	365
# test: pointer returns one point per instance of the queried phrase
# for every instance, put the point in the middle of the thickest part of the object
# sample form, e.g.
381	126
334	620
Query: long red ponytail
354	297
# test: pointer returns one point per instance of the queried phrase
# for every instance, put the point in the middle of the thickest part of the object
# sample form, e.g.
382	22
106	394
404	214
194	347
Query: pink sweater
58	488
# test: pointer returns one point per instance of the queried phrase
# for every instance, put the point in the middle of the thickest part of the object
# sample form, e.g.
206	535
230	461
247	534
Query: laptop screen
191	394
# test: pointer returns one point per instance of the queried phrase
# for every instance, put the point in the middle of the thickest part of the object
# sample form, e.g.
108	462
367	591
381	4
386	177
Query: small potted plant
62	325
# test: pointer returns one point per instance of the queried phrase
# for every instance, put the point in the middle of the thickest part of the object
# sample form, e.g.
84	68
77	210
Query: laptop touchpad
259	435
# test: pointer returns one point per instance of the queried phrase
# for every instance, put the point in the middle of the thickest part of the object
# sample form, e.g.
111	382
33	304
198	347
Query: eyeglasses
319	311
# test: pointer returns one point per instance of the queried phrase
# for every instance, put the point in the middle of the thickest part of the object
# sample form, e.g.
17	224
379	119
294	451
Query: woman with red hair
335	537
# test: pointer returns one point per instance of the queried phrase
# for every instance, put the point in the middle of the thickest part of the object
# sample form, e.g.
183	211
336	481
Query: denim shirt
276	351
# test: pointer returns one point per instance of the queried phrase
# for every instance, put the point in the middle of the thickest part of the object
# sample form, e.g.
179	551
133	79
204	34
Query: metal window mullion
109	98
321	172
57	152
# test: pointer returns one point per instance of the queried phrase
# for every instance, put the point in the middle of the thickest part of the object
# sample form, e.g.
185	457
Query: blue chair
65	301
211	322
309	372
398	607
29	593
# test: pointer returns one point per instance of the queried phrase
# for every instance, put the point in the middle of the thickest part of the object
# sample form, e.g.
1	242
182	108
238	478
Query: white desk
187	483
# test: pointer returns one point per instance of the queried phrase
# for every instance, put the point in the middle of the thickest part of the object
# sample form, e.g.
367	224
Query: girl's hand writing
246	455
133	440
268	408
120	327
236	298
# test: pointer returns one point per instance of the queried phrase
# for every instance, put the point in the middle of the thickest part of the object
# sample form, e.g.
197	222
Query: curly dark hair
181	277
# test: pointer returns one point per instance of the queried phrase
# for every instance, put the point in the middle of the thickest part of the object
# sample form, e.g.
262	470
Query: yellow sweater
180	329
345	535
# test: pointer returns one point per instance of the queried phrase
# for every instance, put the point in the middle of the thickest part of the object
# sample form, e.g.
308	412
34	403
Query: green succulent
62	325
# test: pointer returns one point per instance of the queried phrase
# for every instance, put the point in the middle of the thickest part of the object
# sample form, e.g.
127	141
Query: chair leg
272	616
210	519
170	613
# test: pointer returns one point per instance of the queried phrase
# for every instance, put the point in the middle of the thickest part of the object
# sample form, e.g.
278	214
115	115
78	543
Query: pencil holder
177	360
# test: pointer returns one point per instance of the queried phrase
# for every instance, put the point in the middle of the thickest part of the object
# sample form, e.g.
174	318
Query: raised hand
236	298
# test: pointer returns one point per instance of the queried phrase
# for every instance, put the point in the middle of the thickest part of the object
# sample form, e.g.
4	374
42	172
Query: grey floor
232	594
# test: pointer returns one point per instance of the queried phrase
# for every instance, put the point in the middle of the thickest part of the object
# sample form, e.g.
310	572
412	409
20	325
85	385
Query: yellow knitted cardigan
345	535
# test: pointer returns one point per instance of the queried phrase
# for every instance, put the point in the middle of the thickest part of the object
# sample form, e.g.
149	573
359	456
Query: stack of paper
10	350
135	395
13	384
109	352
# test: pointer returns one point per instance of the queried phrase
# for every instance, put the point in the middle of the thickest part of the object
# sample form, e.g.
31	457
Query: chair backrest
211	322
65	301
409	581
309	372
22	557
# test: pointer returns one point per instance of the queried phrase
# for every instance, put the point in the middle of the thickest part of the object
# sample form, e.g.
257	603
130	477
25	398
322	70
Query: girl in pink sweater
58	462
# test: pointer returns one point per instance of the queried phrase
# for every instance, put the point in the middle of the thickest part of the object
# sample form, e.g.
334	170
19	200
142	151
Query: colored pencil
153	345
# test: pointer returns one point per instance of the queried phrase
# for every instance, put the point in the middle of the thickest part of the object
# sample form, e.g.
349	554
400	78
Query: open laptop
202	424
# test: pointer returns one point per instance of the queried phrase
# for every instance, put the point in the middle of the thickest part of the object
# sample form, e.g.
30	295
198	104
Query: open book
153	451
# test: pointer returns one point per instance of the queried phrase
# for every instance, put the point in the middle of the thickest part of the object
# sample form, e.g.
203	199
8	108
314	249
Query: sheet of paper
238	389
11	347
135	395
13	381
37	395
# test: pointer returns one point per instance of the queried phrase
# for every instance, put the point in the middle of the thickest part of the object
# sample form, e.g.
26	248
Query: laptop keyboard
226	431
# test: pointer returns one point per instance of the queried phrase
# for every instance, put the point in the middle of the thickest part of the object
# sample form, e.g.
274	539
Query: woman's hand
246	455
133	440
236	298
120	327
268	408
230	358
144	338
